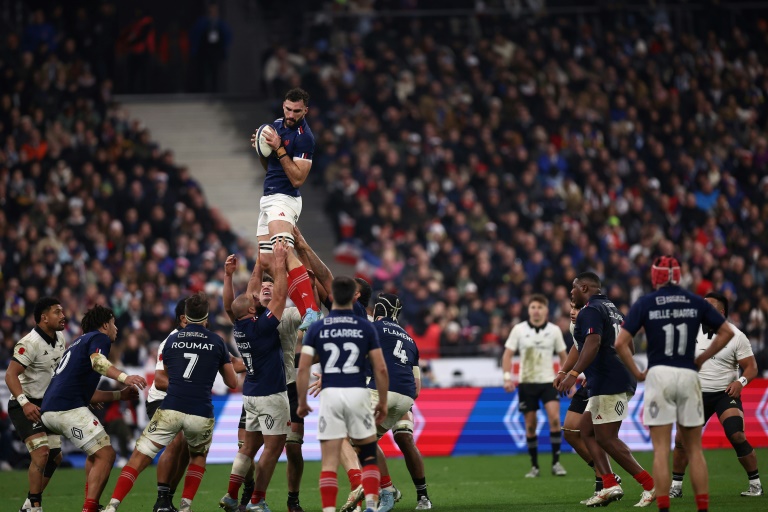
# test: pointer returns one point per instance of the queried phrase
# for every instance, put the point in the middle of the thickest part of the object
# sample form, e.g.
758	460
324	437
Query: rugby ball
260	144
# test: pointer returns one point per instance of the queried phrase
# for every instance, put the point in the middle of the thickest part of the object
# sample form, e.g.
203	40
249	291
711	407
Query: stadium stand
472	161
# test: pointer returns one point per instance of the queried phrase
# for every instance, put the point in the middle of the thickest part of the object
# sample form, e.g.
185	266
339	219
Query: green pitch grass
456	484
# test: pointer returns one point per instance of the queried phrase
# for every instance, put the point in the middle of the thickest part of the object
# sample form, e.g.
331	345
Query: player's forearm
254	283
382	381
570	360
279	291
323	274
228	296
101	365
228	375
302	376
587	354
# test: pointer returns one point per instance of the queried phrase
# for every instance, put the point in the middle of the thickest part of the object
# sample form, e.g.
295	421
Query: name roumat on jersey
192	345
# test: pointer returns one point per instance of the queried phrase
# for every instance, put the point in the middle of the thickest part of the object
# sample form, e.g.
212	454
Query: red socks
192	481
257	496
385	481
702	502
662	502
125	483
329	488
355	478
371	477
609	480
300	290
235	481
91	506
644	479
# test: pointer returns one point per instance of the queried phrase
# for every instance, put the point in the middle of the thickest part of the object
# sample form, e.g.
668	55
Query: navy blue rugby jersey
401	355
74	381
342	340
298	143
259	343
192	358
671	317
357	308
606	375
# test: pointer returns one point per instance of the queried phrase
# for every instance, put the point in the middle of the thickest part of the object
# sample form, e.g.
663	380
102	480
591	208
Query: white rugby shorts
166	423
80	426
270	415
397	406
345	412
277	207
608	408
672	395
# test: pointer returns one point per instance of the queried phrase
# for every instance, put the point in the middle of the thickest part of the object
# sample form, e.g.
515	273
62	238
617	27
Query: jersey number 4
669	341
333	358
401	354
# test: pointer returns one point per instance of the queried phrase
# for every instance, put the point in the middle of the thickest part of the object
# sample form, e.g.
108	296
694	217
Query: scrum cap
387	305
665	270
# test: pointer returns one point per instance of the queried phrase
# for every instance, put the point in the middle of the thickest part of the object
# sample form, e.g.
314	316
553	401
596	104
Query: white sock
329	509
371	500
27	505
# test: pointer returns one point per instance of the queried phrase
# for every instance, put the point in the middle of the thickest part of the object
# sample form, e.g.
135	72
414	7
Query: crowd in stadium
93	211
466	169
470	164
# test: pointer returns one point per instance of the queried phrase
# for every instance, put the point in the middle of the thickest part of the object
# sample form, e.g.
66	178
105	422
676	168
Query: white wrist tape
121	378
22	399
743	381
115	396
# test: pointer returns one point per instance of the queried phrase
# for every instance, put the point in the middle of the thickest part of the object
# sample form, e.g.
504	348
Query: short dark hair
540	298
722	299
266	278
590	277
297	94
343	288
42	305
95	317
365	291
196	307
180	311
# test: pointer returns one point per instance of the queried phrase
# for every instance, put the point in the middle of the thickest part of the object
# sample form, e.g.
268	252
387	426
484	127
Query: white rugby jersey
722	369
536	347
39	359
289	333
155	394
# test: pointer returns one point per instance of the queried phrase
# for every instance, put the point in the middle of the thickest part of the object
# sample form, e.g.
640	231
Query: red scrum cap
665	270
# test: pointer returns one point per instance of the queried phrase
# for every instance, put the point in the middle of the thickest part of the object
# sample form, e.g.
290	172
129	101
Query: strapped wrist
22	399
121	378
116	396
574	373
743	381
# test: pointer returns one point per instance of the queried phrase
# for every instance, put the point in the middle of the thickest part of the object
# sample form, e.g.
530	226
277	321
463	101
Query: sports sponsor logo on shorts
653	409
77	433
619	408
321	424
152	427
269	422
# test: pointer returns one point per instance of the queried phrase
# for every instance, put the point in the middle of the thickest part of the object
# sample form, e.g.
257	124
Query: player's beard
292	123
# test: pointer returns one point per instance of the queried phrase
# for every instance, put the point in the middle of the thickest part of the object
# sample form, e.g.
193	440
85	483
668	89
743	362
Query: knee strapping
367	454
147	447
37	443
733	425
743	449
201	450
265	247
403	427
52	464
294	438
97	444
287	237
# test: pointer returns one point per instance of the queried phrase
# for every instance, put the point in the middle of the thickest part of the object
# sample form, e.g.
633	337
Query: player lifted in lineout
287	167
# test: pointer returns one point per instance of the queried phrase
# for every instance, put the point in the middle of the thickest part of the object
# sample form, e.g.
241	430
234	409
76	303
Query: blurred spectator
209	39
